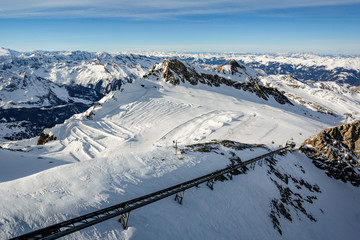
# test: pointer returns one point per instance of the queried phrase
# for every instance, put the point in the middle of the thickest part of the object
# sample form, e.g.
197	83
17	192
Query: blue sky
319	26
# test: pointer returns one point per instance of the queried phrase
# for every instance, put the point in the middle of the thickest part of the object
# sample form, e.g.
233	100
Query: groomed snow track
123	209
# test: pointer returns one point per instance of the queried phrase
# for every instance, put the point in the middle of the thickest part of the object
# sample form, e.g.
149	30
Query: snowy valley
217	108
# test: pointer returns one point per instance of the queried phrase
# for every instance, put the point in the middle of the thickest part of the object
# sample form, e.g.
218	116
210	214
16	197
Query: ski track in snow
198	128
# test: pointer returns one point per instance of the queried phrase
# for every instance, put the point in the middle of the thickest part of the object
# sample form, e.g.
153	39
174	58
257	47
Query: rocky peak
355	89
337	150
232	67
175	72
235	64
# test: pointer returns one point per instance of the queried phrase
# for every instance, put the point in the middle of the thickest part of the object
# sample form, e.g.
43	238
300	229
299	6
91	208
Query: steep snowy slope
326	97
26	91
28	104
123	148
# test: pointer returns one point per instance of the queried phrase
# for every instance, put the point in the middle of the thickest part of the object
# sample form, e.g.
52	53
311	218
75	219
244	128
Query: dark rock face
215	144
44	138
175	72
174	67
337	151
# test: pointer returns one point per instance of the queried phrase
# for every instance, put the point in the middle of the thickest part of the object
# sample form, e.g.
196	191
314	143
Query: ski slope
145	118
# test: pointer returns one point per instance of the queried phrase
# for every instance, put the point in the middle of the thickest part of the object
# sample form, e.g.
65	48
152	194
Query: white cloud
146	9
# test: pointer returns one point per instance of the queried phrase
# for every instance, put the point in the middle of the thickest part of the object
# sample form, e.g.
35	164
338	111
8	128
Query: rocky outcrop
44	138
337	151
176	72
355	89
234	67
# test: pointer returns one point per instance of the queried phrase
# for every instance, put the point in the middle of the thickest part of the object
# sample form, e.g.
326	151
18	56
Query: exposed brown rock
337	150
340	139
44	138
219	69
355	89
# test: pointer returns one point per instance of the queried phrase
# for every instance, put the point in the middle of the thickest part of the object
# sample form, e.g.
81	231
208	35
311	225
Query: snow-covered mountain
28	104
102	71
21	90
339	69
326	97
41	89
123	147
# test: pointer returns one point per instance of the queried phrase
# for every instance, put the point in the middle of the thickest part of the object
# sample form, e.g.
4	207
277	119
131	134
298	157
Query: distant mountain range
305	67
